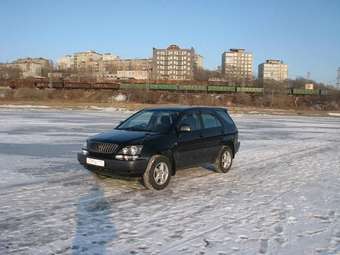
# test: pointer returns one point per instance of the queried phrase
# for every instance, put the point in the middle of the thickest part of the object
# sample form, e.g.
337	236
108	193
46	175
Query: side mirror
185	128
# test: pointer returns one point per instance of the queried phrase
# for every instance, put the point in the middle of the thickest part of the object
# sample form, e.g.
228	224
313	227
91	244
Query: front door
189	144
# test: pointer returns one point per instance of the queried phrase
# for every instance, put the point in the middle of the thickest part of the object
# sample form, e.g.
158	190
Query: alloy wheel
161	173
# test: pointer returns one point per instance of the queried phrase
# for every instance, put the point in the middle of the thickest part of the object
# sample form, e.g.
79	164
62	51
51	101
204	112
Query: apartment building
109	57
83	60
198	61
128	68
173	63
273	69
237	65
136	64
66	62
32	67
133	74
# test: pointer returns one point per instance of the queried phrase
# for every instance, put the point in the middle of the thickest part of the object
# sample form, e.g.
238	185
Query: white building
134	74
237	65
33	67
273	70
198	61
83	59
88	61
66	62
109	57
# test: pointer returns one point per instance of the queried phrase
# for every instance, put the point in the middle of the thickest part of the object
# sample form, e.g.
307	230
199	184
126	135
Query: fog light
120	157
126	157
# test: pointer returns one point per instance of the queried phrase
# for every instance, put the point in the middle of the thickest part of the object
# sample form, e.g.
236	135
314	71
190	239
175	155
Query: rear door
188	152
212	135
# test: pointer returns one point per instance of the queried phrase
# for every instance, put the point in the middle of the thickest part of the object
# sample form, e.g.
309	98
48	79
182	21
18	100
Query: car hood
122	136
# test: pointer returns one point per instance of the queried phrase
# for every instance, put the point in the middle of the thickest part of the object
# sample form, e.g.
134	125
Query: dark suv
154	143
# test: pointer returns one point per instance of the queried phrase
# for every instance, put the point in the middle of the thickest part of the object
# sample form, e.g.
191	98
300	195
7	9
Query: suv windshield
150	120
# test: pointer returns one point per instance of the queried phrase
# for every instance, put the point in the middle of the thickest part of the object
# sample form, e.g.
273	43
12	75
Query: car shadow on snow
94	227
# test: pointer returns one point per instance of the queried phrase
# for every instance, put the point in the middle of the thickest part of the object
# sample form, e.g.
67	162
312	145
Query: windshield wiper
134	129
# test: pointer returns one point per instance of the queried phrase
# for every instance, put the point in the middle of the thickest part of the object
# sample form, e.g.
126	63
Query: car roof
184	108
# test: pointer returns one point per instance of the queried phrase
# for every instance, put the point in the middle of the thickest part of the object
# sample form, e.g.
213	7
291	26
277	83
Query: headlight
84	145
132	150
129	152
84	149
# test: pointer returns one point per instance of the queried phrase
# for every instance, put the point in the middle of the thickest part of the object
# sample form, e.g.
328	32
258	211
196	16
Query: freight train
165	86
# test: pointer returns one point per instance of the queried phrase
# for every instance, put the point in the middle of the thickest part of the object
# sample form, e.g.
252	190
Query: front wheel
158	173
224	160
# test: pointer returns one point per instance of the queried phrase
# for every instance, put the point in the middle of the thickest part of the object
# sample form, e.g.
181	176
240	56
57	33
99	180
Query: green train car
308	92
249	90
216	89
221	88
195	88
163	87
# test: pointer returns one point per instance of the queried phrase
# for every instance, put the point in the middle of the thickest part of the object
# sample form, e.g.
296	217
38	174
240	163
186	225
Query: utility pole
338	78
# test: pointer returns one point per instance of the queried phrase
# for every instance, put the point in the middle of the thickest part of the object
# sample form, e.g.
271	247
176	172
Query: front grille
107	148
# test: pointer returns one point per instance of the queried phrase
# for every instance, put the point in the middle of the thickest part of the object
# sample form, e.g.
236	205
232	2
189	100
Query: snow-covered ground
282	195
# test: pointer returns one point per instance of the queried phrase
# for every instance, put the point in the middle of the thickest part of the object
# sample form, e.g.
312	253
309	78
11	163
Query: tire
158	173
224	160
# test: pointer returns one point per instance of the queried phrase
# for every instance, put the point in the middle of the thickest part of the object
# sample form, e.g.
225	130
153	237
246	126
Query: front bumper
116	167
237	147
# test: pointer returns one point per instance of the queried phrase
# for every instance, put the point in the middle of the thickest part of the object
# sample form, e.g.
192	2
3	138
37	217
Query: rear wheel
158	173
224	160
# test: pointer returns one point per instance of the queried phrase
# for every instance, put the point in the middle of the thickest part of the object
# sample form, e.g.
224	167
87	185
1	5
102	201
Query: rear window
225	116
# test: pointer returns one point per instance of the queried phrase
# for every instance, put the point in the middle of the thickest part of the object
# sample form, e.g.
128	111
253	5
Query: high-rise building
82	61
86	59
273	70
33	67
237	65
198	61
66	62
109	56
139	69
173	63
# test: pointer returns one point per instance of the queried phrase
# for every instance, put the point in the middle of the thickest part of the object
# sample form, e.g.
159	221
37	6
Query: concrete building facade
198	62
134	74
141	64
173	63
237	65
109	57
82	60
273	70
114	66
66	62
32	67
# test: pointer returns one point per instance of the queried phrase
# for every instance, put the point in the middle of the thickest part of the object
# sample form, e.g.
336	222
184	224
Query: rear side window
192	120
210	121
224	115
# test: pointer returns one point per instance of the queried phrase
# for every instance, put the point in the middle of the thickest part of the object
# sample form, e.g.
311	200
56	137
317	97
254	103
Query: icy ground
282	195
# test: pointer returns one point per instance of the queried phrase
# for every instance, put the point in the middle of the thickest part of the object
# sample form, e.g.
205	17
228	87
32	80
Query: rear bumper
116	167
